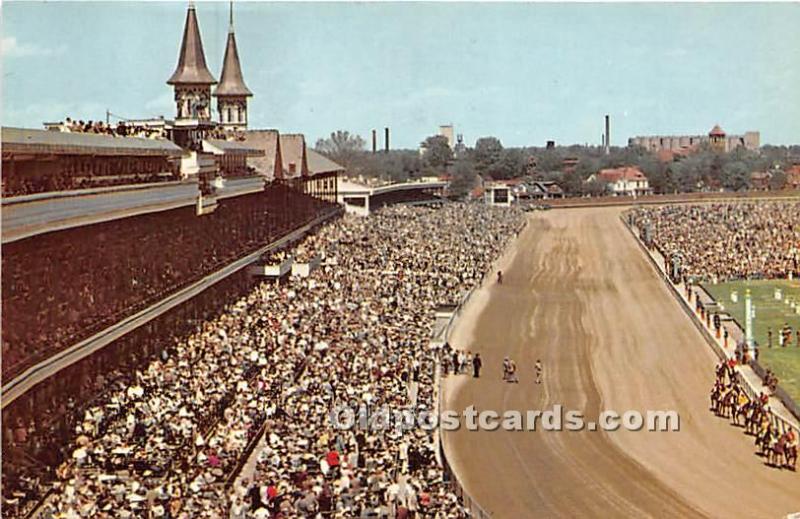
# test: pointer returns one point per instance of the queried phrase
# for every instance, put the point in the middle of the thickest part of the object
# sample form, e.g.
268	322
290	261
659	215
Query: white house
628	180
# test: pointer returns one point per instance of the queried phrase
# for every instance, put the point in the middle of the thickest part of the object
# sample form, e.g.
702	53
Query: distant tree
595	187
778	180
586	167
512	164
395	166
572	183
342	147
655	171
464	178
438	154
735	176
549	160
686	174
487	155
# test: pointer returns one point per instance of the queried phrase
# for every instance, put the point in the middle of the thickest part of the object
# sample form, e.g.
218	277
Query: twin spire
232	83
191	67
192	70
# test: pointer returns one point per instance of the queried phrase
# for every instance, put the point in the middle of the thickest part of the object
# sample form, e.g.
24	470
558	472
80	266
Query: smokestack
607	142
374	141
386	139
603	140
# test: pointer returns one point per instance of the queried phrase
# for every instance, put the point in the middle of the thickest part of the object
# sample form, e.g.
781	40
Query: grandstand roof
268	162
25	140
293	152
319	163
221	146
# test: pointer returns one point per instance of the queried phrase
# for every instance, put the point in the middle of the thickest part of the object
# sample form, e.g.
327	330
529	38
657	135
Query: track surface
579	294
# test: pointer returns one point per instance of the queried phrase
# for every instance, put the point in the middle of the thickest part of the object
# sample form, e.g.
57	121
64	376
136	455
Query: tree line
569	166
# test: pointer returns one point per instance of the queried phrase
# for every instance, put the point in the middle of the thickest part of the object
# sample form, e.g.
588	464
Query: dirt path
579	294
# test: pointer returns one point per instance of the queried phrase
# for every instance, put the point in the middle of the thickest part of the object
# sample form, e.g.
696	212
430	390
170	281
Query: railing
469	503
779	423
782	424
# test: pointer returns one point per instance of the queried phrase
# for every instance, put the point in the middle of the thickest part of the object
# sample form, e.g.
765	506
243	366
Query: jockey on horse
740	407
765	437
790	449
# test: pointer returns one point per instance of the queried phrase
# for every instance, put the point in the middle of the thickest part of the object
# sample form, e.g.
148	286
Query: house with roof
546	190
627	180
793	177
759	180
528	189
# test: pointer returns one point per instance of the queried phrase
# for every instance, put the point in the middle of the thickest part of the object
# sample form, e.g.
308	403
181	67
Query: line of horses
730	400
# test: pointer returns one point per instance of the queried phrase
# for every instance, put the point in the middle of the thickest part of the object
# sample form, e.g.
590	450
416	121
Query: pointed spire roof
232	83
191	67
716	131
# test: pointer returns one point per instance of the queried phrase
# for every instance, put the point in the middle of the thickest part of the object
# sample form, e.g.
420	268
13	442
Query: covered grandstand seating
61	287
39	161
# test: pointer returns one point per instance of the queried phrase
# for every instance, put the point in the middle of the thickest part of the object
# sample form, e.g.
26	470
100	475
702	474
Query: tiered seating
61	287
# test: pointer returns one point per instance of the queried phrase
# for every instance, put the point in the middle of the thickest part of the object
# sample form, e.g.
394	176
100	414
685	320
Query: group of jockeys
510	371
730	400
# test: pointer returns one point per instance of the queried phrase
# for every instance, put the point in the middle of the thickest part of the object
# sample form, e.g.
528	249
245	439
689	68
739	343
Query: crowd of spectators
227	134
727	241
61	287
169	441
121	129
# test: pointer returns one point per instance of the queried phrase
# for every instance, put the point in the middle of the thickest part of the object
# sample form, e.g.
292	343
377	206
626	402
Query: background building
717	138
446	130
627	180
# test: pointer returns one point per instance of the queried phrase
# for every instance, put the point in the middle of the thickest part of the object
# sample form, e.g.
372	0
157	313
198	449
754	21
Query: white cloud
11	48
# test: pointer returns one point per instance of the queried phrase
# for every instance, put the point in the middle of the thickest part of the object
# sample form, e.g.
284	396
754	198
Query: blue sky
525	73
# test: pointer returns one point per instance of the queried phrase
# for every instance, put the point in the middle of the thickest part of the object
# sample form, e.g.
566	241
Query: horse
740	408
764	441
777	451
755	417
730	404
721	371
716	394
790	455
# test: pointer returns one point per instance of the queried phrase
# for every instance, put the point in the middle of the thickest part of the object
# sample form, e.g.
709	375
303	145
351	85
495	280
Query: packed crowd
110	270
168	441
227	134
132	129
718	242
121	129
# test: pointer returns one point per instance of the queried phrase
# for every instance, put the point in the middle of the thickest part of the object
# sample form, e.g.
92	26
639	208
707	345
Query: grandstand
38	161
362	199
188	301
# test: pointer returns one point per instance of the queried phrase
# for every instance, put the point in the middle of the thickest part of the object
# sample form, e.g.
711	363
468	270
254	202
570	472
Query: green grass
770	313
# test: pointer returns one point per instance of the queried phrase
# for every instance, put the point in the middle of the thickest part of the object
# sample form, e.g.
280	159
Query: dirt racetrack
580	294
